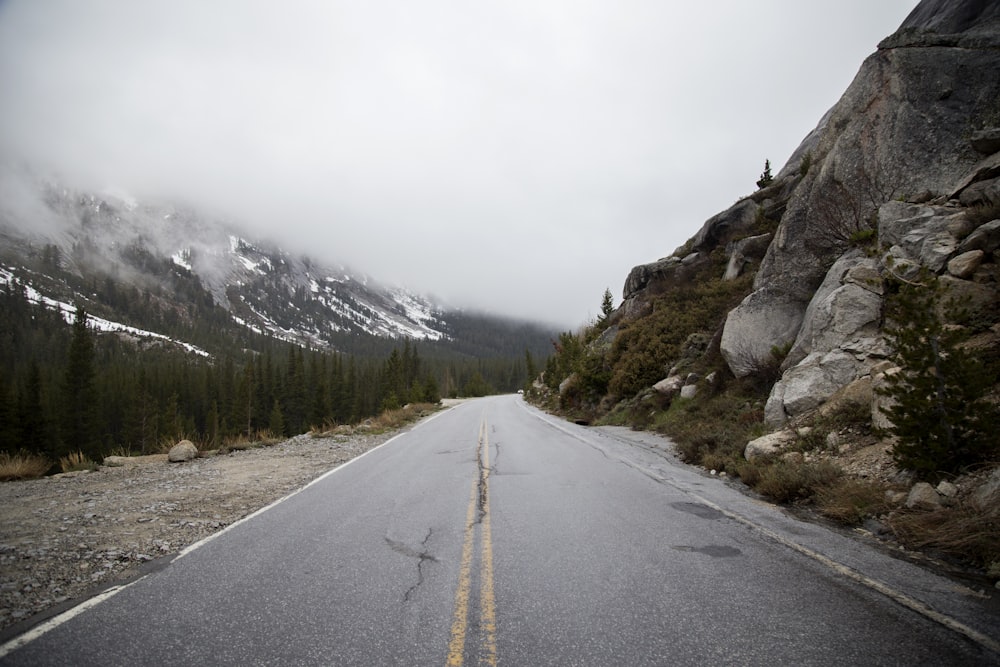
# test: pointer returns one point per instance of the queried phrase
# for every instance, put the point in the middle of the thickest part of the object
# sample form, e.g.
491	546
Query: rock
895	498
722	227
795	458
988	491
986	238
670	386
182	451
856	393
901	264
896	219
947	489
986	141
689	391
641	276
743	251
809	384
765	319
964	265
769	444
923	497
981	193
891	132
976	297
840	310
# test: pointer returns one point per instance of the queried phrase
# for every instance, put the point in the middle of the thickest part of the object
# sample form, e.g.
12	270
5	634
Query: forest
67	388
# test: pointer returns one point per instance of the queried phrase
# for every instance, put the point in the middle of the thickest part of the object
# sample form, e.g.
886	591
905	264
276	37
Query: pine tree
765	178
607	306
79	396
276	422
939	415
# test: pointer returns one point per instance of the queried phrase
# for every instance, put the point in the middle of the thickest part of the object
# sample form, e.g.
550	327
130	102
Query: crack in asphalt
484	473
422	555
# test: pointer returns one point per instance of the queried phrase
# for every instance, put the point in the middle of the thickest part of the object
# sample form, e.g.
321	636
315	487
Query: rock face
903	127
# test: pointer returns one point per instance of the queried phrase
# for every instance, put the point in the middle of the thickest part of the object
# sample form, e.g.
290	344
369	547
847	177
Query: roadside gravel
64	537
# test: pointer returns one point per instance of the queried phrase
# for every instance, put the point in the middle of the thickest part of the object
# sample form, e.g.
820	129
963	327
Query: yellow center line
456	647
478	498
487	603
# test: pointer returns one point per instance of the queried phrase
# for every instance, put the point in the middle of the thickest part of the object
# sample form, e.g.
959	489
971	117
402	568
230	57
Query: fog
517	157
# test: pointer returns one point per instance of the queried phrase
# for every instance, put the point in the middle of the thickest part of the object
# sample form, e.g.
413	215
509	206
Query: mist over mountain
58	238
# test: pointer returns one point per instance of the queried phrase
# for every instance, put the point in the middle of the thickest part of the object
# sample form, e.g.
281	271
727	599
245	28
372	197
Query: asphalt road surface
492	534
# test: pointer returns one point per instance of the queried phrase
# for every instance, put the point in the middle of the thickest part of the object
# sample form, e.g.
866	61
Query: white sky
518	157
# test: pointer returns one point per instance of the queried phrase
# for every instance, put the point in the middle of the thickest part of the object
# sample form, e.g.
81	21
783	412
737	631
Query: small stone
923	496
947	489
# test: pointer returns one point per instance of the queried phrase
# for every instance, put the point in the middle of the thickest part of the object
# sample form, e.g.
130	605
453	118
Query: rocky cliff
902	173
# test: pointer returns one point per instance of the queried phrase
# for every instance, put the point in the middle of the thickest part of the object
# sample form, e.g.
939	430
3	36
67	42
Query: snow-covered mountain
69	245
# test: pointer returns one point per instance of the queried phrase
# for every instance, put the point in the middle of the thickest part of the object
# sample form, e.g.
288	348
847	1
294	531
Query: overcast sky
516	156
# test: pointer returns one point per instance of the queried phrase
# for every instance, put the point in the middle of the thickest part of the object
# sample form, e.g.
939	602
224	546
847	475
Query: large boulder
847	305
768	445
182	451
764	320
806	386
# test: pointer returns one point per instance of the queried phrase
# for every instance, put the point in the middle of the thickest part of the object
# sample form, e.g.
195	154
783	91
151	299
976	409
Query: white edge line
54	622
888	591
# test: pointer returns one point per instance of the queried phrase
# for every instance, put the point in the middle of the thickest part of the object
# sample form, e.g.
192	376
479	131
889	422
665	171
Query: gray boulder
769	444
986	141
806	386
182	451
764	320
847	305
670	386
923	497
986	238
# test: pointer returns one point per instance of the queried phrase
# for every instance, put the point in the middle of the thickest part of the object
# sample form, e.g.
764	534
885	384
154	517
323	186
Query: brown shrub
851	501
969	531
21	465
787	482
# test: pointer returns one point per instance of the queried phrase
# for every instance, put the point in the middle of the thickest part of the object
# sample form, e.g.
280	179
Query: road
492	534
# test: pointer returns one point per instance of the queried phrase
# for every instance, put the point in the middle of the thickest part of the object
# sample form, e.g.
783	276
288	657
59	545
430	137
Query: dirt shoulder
63	537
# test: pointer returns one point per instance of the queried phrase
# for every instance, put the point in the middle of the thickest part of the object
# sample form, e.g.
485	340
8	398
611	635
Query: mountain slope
182	254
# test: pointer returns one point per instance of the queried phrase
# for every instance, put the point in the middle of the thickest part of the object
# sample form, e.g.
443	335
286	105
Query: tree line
66	388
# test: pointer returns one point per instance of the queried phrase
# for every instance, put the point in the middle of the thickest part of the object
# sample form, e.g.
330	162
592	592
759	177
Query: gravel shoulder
66	536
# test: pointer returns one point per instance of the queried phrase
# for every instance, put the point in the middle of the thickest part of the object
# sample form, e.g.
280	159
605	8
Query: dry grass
851	501
22	465
262	438
969	531
76	461
393	419
787	482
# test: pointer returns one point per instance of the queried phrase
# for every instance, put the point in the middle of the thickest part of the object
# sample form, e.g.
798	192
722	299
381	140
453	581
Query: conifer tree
79	395
765	178
276	422
940	417
607	306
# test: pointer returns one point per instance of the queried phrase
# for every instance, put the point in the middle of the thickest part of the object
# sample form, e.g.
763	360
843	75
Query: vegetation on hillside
70	390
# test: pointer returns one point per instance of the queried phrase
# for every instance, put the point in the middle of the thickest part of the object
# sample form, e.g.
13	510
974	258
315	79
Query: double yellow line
479	500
